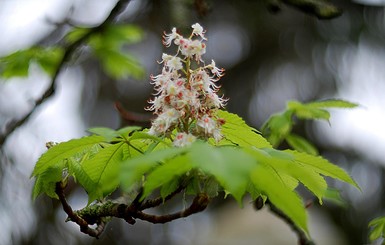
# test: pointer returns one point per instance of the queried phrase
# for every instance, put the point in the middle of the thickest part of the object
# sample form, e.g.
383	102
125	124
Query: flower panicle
186	98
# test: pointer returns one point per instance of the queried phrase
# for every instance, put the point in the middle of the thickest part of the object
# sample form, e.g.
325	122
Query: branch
200	203
68	52
302	237
83	224
99	213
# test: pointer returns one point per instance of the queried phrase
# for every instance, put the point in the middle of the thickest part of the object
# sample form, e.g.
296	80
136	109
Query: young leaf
107	133
304	111
133	169
301	144
17	63
230	166
76	170
211	187
64	151
169	187
119	65
277	127
76	33
127	130
285	166
378	228
103	169
46	181
285	199
334	103
238	132
323	166
334	196
165	173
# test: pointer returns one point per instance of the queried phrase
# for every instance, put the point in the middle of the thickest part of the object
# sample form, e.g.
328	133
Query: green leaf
48	58
169	188
103	169
77	33
107	133
230	166
304	111
333	195
46	181
378	226
333	103
323	166
133	169
277	127
300	144
127	130
117	34
64	151
238	132
286	167
285	199
211	187
76	170
119	65
17	64
165	173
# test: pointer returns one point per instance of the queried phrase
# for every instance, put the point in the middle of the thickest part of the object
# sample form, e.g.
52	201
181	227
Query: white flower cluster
186	99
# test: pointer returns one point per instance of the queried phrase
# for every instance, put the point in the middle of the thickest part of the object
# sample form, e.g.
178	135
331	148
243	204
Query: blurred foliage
109	50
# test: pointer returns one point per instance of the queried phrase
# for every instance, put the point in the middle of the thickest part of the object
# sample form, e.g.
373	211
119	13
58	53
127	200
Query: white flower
168	38
175	63
183	139
198	30
207	124
215	70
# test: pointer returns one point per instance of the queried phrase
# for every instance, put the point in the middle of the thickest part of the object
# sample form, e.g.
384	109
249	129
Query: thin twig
302	237
76	218
68	52
200	203
99	213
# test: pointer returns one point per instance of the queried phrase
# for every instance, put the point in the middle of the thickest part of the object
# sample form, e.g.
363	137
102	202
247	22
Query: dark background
269	58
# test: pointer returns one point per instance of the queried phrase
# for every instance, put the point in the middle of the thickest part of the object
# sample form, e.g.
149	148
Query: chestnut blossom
184	139
186	98
198	30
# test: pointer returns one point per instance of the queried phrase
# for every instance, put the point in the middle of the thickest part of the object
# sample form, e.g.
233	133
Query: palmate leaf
304	111
228	165
64	151
238	132
270	184
133	169
109	134
300	144
75	169
119	65
166	173
323	166
17	64
103	169
332	103
278	127
377	226
286	167
46	181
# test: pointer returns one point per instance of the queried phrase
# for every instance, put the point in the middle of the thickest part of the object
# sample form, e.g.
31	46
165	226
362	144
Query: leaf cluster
18	63
243	162
107	42
377	231
108	46
278	127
